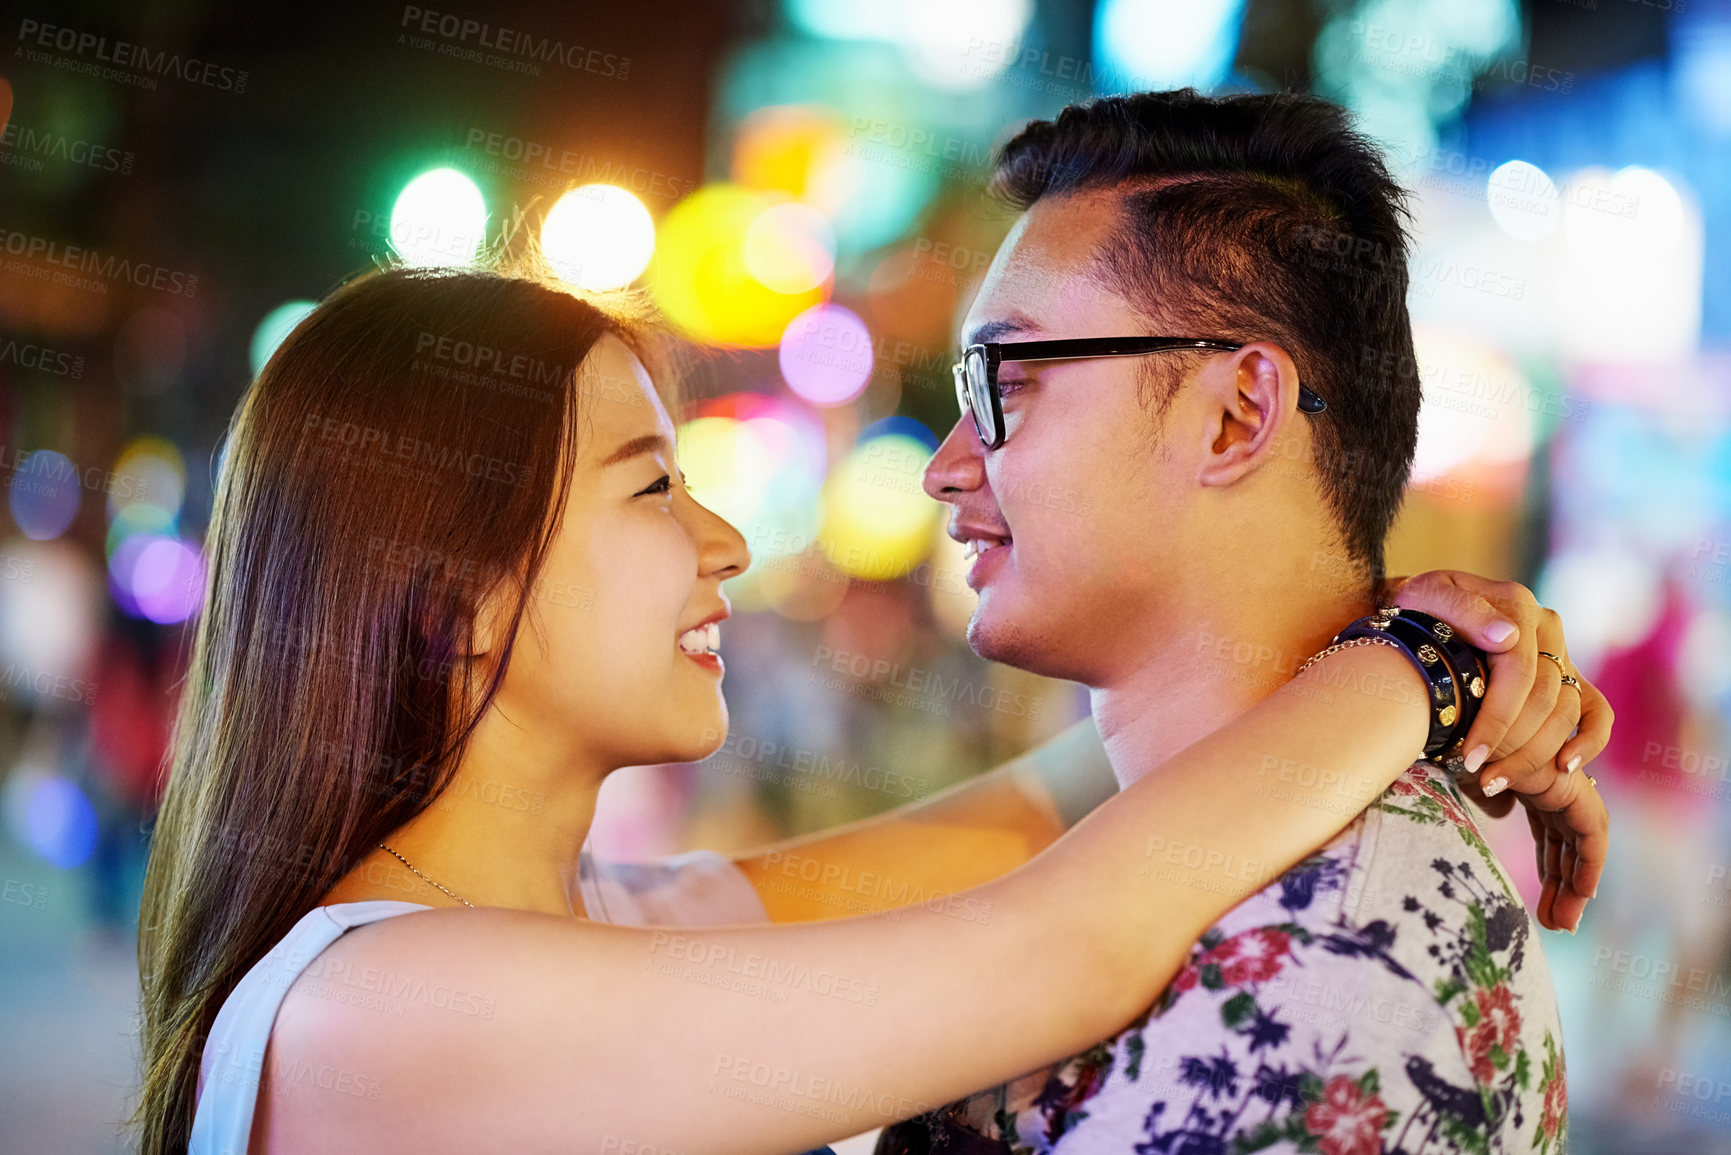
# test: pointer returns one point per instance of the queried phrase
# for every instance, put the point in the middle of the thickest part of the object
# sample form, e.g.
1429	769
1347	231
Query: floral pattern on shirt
1385	995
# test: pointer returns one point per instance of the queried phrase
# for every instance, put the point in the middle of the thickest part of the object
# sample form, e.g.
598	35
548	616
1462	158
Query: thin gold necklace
424	878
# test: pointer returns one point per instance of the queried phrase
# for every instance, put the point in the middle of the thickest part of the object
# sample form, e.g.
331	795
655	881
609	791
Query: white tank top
701	888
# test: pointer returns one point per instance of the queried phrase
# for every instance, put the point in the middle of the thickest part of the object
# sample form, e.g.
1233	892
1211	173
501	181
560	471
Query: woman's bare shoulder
365	1040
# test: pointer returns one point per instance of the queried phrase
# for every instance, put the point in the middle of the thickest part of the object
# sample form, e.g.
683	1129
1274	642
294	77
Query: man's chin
999	635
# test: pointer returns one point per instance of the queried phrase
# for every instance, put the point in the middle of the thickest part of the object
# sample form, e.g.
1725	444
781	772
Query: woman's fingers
1474	606
1497	805
1594	731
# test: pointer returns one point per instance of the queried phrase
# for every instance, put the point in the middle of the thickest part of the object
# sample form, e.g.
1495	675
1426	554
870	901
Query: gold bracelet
1346	645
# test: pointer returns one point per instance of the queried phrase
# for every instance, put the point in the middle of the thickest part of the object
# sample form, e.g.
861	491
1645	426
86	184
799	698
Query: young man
1389	994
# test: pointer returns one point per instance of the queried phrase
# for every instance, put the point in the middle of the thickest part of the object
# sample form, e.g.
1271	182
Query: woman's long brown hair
401	454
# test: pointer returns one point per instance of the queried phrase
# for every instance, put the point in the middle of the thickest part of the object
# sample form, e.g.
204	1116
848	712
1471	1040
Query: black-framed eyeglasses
977	371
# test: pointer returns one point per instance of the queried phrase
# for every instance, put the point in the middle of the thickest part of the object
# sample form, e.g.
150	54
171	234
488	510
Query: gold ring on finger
1560	666
1571	680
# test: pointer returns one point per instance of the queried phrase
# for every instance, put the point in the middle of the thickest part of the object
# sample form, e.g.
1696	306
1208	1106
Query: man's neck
1201	678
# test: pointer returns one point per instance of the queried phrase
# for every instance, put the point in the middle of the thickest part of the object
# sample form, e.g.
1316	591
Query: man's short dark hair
1258	217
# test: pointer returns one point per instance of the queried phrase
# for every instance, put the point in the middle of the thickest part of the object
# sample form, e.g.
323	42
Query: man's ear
1253	402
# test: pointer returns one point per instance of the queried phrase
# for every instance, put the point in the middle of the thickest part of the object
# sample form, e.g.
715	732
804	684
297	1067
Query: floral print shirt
1386	995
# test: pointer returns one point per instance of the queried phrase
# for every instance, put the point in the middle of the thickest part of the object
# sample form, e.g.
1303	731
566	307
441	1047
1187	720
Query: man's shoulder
1393	977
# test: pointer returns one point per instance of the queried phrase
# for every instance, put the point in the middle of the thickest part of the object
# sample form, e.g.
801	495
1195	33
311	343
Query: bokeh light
1148	44
1629	285
51	611
440	218
598	237
1478	409
273	329
877	521
52	816
150	472
790	248
702	281
167	580
43	494
826	355
1523	200
870	176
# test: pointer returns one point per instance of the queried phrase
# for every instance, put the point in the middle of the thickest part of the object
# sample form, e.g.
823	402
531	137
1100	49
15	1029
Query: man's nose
959	465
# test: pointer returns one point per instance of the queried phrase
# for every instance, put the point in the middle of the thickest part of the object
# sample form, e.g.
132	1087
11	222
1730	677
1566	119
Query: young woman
456	579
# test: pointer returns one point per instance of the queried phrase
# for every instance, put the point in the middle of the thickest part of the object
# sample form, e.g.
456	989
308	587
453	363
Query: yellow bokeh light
150	471
877	521
702	281
790	149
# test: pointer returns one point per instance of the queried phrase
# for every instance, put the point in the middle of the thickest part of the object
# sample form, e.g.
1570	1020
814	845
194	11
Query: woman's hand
1532	733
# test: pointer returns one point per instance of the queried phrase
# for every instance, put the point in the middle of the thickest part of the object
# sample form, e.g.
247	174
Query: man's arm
952	840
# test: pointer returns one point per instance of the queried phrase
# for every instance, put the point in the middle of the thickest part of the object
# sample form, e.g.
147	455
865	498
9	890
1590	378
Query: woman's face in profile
635	563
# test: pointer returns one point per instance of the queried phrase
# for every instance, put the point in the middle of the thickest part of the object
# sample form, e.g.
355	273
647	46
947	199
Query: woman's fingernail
1573	764
1500	631
1476	757
1495	786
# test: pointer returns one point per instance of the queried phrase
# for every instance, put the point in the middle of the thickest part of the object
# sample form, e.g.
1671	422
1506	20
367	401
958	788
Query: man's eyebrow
649	443
992	330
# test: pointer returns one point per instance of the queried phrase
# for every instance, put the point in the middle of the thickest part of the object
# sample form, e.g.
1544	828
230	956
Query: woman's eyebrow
649	443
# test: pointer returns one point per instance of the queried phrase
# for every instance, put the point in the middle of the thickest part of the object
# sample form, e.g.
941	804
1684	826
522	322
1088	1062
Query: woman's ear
493	618
1253	402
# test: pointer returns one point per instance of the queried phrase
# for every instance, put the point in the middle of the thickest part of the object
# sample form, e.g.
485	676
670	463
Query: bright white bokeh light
439	219
276	326
598	237
52	618
949	44
1629	286
1523	200
1478	406
1156	44
1702	670
1610	596
963	44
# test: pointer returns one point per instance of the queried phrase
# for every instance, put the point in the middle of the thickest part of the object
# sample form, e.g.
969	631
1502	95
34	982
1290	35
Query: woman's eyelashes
663	484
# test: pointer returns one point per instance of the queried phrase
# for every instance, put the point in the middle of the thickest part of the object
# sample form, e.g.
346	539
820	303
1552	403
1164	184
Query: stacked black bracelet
1454	671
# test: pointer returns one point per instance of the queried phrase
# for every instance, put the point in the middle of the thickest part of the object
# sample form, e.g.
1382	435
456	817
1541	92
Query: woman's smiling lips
700	642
